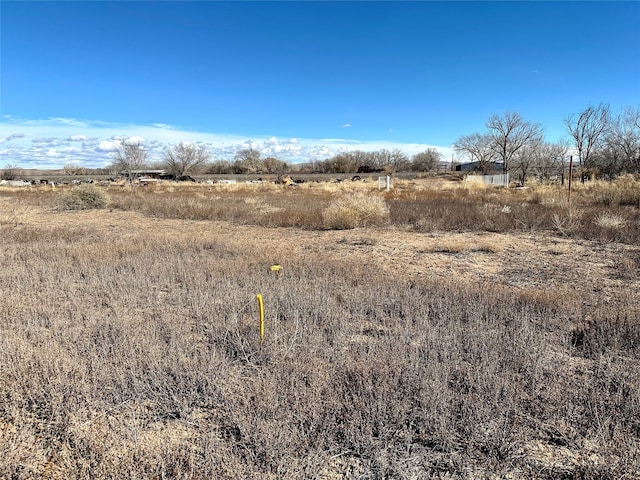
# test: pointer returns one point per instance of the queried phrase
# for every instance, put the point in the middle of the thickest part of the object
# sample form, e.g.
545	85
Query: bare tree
391	160
523	162
425	161
130	157
10	172
219	166
586	129
398	160
341	163
550	159
247	160
478	147
623	139
509	133
71	169
273	165
185	158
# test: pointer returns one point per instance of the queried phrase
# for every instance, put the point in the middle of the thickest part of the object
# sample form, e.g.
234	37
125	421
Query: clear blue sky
300	79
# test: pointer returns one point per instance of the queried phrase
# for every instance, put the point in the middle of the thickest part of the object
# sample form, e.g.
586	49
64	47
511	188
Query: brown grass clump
84	197
355	210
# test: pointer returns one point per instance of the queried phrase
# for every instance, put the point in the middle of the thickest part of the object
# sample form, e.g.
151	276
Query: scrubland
439	330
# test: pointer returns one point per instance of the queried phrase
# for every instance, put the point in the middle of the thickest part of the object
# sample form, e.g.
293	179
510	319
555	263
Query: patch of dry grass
355	210
129	348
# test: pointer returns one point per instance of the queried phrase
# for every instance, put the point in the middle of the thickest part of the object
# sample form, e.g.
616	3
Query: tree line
185	159
604	143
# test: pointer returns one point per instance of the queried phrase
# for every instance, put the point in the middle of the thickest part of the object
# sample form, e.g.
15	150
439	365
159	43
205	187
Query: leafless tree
70	169
478	147
10	172
509	133
341	163
185	158
586	129
273	165
130	157
623	138
398	160
523	162
542	159
550	159
247	160
392	160
425	161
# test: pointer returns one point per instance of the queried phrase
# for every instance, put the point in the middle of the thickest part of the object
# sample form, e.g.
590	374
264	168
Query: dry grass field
440	330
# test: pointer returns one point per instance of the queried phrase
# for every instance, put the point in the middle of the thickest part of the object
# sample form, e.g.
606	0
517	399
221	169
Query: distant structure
479	167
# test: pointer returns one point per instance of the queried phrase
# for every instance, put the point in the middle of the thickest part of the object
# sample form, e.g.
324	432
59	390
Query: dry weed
355	210
607	220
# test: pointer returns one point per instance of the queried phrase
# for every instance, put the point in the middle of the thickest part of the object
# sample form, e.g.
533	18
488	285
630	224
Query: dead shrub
608	220
355	210
84	197
566	221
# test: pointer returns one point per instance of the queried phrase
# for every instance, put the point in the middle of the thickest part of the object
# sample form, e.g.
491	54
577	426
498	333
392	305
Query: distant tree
359	160
510	133
526	160
129	158
10	172
425	161
607	161
622	139
247	160
391	160
184	159
74	170
478	147
273	165
219	167
550	159
341	163
586	129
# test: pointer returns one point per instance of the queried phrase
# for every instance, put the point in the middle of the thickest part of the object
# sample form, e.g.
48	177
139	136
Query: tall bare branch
129	158
509	133
586	129
478	147
184	158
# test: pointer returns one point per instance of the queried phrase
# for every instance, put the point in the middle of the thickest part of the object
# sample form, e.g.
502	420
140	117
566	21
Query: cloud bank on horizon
56	142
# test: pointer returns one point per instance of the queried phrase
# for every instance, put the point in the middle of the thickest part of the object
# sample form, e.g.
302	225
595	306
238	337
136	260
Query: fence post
570	175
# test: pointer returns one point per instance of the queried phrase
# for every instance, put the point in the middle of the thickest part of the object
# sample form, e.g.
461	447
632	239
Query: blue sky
299	80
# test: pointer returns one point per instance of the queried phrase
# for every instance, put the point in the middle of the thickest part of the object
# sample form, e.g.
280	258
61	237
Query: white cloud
345	125
70	150
54	142
135	140
11	137
109	145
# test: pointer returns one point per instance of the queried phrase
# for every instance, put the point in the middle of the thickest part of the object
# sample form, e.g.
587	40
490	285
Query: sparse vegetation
129	344
355	210
84	197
